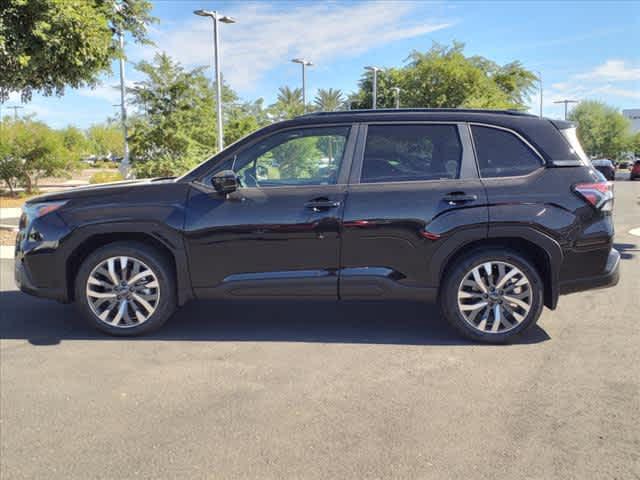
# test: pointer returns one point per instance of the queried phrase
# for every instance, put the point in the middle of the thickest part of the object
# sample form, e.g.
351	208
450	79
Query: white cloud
612	70
266	38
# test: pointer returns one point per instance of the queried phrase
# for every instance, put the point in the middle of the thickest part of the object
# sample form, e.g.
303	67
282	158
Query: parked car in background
635	171
623	165
492	214
606	167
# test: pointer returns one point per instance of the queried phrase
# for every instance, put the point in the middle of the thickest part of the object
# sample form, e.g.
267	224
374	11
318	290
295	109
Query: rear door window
411	152
502	154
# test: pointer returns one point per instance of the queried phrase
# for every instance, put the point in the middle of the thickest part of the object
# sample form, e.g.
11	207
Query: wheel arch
95	238
544	252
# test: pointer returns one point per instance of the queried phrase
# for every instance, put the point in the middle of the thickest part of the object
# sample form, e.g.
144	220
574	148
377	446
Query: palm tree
329	100
288	104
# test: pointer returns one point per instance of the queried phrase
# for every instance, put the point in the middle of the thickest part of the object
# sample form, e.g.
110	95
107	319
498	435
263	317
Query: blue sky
584	50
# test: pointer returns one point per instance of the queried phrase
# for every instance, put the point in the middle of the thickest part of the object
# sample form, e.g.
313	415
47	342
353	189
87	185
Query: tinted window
502	154
411	152
306	156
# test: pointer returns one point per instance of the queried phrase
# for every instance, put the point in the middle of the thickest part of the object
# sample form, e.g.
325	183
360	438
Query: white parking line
635	231
6	252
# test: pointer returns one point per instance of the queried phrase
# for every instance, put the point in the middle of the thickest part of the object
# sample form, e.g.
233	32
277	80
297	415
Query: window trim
468	167
345	167
527	144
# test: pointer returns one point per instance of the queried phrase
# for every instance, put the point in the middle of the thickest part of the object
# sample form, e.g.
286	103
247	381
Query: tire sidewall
449	298
149	257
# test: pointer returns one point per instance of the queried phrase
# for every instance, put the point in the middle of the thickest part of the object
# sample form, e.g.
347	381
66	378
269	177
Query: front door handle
320	205
455	198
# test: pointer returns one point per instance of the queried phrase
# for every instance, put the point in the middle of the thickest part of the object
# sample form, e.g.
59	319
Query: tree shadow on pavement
43	322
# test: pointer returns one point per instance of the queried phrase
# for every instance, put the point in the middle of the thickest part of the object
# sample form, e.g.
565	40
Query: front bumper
608	278
26	285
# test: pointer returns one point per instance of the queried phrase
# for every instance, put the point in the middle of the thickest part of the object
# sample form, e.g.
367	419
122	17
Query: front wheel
492	296
126	289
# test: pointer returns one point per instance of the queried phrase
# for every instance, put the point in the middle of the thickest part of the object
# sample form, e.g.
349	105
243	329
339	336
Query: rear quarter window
502	154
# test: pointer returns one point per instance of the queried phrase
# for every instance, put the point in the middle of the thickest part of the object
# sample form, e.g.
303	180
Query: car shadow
43	322
626	250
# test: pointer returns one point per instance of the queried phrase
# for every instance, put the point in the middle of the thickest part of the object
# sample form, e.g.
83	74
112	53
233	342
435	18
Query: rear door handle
455	198
319	205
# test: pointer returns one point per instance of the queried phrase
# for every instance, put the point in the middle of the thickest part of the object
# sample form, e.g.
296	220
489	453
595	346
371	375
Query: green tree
105	139
177	129
443	77
32	150
46	45
288	104
75	143
329	100
603	131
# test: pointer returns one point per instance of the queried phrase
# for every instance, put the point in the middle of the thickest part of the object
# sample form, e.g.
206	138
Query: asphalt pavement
326	390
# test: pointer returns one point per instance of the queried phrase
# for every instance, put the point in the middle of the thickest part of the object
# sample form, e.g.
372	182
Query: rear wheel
126	289
492	296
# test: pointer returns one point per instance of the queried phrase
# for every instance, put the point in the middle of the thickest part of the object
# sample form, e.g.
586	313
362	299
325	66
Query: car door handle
319	205
454	198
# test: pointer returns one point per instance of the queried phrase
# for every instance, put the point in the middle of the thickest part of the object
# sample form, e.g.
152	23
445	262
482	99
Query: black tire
154	260
459	270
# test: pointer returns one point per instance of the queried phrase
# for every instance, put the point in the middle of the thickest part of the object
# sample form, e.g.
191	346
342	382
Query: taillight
599	194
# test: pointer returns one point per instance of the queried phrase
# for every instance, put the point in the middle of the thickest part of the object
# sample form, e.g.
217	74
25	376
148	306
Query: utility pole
566	102
375	70
216	17
304	63
125	165
15	111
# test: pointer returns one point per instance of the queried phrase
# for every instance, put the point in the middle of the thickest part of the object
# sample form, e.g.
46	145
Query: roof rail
420	110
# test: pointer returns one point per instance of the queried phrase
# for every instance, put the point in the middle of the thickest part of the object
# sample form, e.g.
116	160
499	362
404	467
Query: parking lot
325	390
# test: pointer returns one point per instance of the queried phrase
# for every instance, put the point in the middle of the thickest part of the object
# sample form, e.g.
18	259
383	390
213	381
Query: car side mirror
225	181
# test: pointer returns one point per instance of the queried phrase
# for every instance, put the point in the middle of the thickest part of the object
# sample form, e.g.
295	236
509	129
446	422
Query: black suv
493	214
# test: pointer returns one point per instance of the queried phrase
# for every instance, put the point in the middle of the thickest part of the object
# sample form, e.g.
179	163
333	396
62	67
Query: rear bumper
608	278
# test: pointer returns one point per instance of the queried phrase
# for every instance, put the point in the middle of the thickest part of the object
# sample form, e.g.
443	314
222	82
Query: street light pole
566	102
215	17
375	71
125	165
396	94
541	91
304	63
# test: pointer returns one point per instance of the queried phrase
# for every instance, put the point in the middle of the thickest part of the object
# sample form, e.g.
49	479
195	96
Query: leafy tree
288	104
603	131
46	45
177	129
30	151
443	77
329	100
242	119
74	142
105	139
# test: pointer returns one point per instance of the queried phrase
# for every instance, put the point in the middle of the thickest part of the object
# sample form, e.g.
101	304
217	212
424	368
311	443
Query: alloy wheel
495	297
123	291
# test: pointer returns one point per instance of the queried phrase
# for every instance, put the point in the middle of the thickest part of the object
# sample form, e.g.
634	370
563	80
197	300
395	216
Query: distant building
633	114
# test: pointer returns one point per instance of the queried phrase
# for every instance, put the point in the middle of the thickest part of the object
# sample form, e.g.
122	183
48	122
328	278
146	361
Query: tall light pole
566	102
540	82
375	71
125	165
304	63
216	17
396	94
